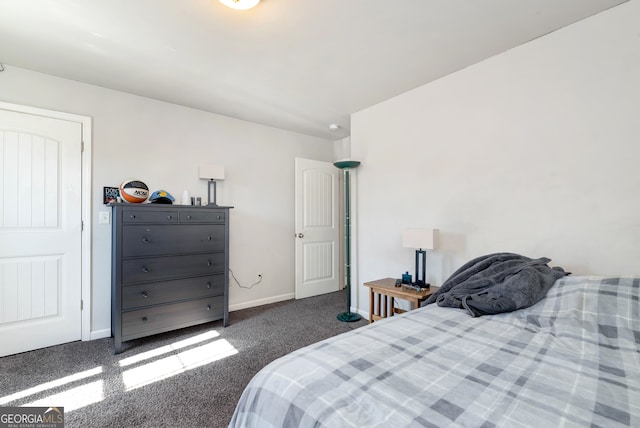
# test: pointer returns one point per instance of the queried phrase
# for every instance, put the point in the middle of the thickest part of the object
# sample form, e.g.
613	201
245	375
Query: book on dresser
169	268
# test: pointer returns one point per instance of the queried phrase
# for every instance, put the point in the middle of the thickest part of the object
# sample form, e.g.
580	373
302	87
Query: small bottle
406	278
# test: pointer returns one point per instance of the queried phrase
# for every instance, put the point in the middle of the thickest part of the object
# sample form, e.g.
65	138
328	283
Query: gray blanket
497	283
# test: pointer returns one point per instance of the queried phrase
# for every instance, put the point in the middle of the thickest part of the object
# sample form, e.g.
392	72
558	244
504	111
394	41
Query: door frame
85	277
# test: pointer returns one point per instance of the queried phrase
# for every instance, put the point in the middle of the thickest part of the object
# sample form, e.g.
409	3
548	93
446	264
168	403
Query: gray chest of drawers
170	268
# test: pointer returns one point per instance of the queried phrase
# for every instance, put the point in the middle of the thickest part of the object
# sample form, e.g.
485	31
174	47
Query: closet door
317	228
40	231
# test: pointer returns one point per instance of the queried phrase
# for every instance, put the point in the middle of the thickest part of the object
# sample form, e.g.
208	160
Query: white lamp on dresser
212	173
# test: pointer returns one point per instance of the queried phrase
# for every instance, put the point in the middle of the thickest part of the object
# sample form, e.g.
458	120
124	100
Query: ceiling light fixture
240	4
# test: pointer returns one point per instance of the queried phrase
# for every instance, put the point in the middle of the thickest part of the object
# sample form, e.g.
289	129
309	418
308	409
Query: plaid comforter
571	360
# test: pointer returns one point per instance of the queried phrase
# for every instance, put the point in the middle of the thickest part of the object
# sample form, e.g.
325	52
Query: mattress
572	360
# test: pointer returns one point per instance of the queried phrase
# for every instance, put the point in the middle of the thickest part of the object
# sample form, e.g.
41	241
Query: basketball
134	191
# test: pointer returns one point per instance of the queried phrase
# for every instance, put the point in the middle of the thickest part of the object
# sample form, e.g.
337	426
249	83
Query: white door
40	231
317	228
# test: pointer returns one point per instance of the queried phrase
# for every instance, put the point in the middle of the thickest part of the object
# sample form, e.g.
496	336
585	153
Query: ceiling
293	64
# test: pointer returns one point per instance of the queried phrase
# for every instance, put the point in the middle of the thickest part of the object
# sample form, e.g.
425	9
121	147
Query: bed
572	359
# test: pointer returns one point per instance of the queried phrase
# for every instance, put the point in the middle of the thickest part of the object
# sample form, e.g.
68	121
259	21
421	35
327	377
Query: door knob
300	235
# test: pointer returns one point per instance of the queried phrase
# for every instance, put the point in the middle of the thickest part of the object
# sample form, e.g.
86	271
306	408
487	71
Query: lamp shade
211	172
420	238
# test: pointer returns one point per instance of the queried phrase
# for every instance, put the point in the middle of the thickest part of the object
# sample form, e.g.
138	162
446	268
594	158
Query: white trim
85	122
100	334
364	314
260	302
86	219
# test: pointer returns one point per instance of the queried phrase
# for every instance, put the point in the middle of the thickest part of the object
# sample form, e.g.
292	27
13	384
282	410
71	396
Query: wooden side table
384	291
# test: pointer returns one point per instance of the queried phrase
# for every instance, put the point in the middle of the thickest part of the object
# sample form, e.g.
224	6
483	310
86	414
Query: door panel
318	257
40	231
317	228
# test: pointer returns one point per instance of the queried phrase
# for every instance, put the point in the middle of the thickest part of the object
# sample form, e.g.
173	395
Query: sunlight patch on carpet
74	398
168	348
175	364
51	385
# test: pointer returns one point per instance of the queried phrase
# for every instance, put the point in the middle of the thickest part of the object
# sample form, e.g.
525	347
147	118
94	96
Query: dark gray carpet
204	396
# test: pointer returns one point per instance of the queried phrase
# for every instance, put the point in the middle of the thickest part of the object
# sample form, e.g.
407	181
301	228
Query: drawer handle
219	217
145	269
208	307
144	319
145	240
169	217
209	263
132	216
188	217
144	294
209	238
208	284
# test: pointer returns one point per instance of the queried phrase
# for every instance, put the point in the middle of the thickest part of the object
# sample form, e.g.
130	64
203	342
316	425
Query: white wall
534	151
162	144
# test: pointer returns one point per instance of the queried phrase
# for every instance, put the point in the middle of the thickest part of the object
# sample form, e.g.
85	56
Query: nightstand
383	292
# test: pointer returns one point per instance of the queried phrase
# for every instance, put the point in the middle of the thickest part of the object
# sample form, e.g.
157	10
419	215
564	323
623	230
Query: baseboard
100	334
362	313
260	302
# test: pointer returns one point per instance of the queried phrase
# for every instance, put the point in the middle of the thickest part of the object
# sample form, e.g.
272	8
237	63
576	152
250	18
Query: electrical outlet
104	217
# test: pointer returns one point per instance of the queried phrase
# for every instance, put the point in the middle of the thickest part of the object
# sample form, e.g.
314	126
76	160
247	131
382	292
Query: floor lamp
346	166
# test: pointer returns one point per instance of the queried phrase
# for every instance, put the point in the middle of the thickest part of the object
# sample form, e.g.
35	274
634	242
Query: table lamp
423	239
212	173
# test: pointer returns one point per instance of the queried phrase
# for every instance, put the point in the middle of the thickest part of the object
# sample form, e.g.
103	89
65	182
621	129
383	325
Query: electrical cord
245	286
349	325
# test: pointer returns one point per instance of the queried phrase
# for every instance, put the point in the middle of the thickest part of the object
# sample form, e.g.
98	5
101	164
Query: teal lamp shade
346	166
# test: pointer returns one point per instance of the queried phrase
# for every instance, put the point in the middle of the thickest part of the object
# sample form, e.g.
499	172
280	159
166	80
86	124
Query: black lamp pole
346	166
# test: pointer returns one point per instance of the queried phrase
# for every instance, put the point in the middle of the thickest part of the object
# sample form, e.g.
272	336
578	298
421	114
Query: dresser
170	268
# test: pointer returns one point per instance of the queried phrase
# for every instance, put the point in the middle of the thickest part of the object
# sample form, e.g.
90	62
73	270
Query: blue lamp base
349	317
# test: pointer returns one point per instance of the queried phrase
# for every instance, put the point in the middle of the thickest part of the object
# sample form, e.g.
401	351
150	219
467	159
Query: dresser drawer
202	216
155	293
171	316
155	240
149	216
171	267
